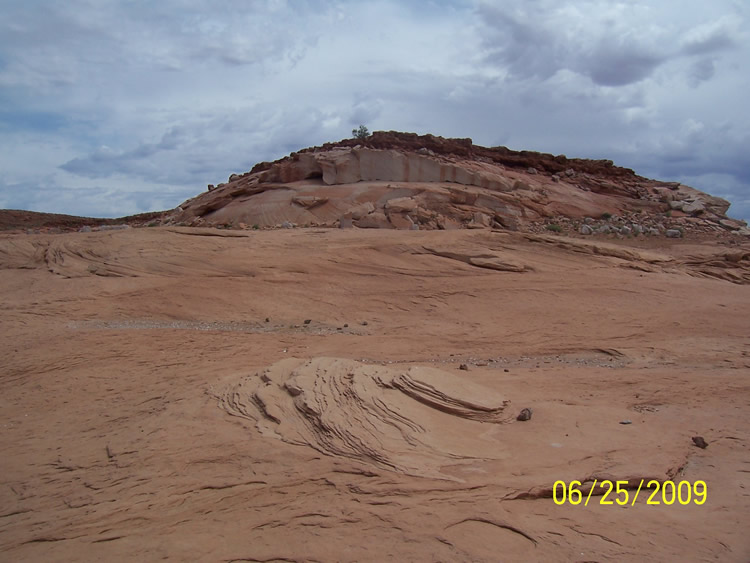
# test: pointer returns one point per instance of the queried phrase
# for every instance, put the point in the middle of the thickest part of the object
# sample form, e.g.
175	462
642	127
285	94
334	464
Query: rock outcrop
372	414
407	181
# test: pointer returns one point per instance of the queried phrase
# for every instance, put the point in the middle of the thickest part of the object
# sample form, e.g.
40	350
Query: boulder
359	211
694	208
423	215
716	205
401	205
481	219
673	233
400	220
375	220
339	167
447	223
308	202
732	224
506	222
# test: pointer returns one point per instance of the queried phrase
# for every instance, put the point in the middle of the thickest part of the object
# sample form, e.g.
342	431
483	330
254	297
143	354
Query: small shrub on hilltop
554	228
361	133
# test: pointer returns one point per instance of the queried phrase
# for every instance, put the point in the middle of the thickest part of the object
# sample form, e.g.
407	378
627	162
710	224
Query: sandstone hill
330	394
407	181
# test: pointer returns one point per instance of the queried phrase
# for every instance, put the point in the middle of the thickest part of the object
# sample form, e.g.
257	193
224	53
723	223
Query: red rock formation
408	181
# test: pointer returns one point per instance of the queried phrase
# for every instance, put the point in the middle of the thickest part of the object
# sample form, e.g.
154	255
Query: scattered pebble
524	415
700	442
464	367
626	422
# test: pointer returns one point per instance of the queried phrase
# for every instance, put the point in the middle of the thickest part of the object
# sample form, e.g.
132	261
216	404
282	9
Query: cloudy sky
114	107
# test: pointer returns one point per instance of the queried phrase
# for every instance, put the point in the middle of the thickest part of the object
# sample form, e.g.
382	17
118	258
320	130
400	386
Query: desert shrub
554	228
361	133
606	216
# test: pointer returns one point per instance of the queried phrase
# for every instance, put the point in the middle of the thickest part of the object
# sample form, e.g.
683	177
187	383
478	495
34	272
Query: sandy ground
162	396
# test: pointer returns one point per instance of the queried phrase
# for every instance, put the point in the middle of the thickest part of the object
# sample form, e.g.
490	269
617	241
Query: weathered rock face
344	165
406	181
314	402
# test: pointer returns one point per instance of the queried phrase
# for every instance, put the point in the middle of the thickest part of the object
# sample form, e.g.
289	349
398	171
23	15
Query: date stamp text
623	493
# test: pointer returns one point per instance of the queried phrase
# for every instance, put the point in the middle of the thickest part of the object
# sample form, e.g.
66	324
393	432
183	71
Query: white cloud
712	36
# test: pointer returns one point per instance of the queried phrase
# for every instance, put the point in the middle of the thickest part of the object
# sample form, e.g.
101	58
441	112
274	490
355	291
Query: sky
115	107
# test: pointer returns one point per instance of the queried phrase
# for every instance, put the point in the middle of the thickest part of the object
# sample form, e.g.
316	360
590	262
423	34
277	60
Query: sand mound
411	421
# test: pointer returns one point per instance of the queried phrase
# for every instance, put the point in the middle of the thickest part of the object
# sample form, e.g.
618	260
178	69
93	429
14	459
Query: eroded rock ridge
408	181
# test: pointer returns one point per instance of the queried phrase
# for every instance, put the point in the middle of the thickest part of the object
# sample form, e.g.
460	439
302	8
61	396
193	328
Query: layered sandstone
198	394
406	181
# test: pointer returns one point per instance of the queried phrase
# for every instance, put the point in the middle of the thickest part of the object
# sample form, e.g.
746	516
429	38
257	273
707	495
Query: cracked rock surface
163	398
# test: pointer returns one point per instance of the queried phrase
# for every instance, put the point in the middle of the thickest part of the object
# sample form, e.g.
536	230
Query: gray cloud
535	39
618	65
701	70
712	37
365	110
95	201
138	161
607	42
516	41
121	105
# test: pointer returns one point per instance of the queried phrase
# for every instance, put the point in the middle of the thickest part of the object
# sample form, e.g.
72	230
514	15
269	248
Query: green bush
606	216
555	228
361	133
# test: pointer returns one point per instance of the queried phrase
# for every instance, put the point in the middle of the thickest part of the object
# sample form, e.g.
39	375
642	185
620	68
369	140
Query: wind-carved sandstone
407	181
